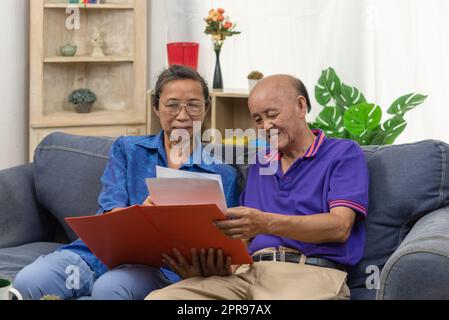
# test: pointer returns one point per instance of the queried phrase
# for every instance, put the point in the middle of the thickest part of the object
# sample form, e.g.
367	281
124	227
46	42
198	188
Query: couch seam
60	148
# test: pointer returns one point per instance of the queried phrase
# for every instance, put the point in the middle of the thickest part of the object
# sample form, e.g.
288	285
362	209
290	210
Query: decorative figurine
97	44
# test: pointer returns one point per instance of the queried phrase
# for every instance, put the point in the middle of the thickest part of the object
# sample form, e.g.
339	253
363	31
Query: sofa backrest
406	182
67	174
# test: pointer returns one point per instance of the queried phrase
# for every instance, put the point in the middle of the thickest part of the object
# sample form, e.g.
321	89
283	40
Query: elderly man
304	223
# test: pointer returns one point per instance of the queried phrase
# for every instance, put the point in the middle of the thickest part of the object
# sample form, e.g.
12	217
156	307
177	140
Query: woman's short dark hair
177	72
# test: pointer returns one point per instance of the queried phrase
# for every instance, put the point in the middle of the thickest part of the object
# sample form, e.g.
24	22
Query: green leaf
376	137
393	128
328	87
351	96
406	103
362	118
330	120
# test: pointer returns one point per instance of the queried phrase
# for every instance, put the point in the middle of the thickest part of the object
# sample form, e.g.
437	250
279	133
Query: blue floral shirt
134	159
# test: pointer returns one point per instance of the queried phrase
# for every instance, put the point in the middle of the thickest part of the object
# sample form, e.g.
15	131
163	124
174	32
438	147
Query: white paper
186	191
162	172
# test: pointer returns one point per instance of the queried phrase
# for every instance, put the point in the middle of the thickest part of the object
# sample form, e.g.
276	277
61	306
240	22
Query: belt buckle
282	257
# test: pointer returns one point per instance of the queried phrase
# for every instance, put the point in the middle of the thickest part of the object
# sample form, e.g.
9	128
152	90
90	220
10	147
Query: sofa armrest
418	269
22	220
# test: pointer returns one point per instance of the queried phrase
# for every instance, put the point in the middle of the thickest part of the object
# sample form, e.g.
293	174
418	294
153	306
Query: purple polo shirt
333	173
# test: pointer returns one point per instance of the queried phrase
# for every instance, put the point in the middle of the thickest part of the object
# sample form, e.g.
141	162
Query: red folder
141	234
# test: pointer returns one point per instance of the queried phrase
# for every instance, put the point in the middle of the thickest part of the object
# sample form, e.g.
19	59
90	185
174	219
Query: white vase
252	84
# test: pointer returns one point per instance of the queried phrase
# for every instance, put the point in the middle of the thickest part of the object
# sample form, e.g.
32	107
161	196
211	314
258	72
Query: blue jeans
66	275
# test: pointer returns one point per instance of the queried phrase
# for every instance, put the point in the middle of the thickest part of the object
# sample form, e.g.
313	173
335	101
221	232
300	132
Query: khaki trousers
263	281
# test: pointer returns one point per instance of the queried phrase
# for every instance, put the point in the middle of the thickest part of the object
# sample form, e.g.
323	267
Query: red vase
184	54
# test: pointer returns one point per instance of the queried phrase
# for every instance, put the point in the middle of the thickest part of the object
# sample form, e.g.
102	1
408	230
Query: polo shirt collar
315	147
311	153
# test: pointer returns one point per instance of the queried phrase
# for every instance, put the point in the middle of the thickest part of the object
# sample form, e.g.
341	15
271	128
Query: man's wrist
270	223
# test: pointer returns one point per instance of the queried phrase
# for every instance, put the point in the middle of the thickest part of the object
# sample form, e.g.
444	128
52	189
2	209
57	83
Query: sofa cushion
12	260
67	174
406	182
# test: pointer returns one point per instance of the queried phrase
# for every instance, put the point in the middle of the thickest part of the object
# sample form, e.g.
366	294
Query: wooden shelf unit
229	110
119	79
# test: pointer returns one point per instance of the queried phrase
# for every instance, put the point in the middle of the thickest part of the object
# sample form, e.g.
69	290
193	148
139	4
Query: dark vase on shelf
218	78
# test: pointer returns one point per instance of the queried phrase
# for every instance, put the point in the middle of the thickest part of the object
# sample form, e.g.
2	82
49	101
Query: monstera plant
347	114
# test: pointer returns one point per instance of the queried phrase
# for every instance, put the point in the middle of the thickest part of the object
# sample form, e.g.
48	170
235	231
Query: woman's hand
215	266
181	266
148	202
205	264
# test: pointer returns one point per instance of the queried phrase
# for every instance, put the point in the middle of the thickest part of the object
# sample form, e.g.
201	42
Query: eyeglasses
193	108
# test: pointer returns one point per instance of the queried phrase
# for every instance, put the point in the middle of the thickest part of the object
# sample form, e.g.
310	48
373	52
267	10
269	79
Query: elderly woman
182	97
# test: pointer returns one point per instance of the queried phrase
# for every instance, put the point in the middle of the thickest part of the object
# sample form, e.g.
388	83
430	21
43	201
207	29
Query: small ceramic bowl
68	50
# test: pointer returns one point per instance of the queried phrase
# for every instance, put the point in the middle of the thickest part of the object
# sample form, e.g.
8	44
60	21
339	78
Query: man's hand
244	223
203	264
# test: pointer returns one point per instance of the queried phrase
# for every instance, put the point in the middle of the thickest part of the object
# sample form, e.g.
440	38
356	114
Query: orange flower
221	18
228	25
221	11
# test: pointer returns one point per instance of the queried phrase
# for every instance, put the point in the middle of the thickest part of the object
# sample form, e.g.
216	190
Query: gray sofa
407	231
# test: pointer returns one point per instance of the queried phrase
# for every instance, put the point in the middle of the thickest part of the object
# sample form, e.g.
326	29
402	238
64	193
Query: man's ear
301	104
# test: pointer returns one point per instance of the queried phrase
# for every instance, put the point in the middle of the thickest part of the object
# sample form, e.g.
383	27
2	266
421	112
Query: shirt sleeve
114	193
349	182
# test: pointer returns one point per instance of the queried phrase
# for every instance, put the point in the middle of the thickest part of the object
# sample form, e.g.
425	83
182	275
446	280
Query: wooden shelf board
87	59
89	6
95	118
231	93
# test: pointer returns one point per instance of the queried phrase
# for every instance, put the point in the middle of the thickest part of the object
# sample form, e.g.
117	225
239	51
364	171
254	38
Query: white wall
386	48
13	83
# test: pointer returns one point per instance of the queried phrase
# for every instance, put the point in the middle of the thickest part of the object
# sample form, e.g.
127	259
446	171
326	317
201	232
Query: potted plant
347	114
253	78
83	100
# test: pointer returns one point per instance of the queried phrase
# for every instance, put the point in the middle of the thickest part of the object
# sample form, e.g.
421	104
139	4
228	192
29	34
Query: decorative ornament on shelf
97	44
220	28
85	1
68	50
253	78
83	100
